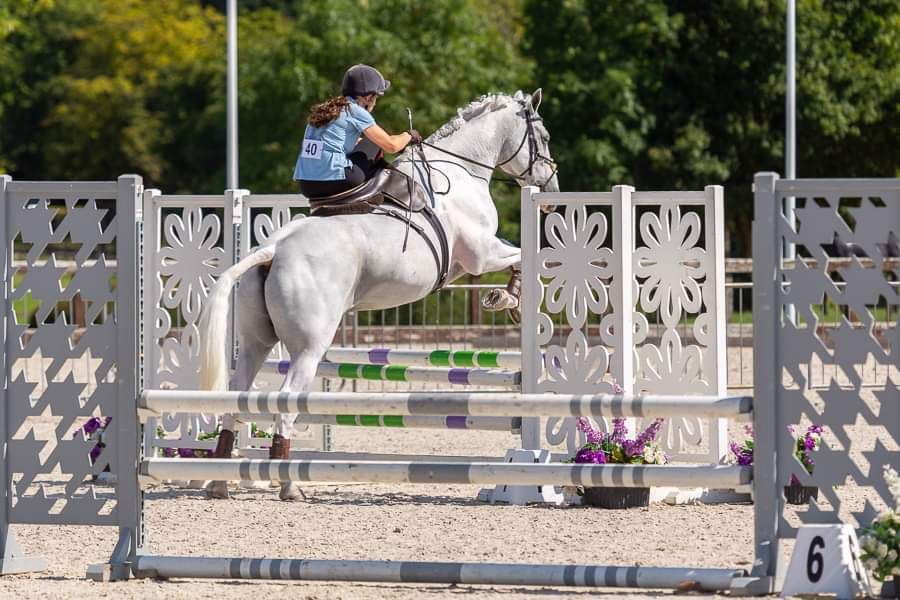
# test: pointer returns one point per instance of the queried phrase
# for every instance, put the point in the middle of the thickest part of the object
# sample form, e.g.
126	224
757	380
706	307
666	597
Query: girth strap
442	257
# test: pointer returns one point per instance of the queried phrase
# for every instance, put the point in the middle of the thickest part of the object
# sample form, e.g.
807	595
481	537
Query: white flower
892	555
871	564
882	550
893	481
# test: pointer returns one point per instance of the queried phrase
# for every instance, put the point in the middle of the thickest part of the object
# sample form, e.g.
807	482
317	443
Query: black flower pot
800	494
616	497
891	588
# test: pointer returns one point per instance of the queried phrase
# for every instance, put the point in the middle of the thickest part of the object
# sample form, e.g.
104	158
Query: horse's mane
486	104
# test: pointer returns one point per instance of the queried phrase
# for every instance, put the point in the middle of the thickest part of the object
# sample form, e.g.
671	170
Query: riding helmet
361	80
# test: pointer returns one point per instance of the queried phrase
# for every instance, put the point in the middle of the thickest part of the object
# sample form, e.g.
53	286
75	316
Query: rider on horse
327	163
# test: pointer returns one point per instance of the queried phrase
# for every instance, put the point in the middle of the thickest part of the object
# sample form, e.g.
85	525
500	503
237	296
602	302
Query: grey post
768	501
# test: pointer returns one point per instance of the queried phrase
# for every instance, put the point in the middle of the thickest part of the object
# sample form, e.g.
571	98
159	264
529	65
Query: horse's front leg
498	256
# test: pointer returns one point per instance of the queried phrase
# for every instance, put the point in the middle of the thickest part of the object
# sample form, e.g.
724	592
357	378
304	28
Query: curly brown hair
324	113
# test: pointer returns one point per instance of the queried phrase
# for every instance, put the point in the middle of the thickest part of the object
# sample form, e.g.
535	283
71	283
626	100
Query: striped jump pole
508	424
332	471
452	375
486	404
483	359
396	571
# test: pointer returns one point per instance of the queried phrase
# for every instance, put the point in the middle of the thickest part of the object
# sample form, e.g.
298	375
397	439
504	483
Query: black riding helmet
361	80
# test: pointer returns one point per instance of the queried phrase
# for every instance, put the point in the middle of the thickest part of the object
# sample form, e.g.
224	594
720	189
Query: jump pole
508	424
476	473
709	580
484	359
403	373
488	404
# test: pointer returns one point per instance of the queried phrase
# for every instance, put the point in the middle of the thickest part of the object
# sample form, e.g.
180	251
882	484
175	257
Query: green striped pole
509	424
452	375
427	358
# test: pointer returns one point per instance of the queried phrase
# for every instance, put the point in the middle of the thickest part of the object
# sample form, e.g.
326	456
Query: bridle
534	155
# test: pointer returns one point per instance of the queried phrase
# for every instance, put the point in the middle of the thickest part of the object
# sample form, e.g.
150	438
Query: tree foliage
669	94
664	94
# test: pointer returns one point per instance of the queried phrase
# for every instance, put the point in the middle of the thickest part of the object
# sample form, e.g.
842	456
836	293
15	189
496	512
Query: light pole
231	102
790	134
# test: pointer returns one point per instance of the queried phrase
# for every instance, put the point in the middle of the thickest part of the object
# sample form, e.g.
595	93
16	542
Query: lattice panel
188	243
575	266
677	324
841	312
596	336
61	348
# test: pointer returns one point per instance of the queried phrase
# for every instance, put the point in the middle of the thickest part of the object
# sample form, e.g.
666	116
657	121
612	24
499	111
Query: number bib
312	149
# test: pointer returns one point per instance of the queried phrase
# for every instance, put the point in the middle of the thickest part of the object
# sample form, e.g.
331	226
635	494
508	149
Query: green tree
439	56
136	96
37	43
670	94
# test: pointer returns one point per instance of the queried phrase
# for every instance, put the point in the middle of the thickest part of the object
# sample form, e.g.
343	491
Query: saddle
387	185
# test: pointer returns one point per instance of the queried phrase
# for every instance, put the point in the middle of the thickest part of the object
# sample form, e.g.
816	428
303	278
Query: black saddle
387	185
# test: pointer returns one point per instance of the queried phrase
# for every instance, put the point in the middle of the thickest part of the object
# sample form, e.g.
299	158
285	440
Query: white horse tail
214	322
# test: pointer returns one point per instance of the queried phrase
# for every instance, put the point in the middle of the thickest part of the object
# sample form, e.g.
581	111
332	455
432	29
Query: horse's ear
536	98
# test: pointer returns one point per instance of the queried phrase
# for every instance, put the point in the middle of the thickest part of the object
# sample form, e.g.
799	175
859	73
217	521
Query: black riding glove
415	136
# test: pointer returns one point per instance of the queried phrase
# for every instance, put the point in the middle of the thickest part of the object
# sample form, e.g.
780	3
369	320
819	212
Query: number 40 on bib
312	149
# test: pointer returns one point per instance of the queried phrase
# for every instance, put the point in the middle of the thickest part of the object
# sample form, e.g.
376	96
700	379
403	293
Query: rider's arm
385	141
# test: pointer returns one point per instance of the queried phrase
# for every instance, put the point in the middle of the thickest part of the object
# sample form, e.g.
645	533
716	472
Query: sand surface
413	522
362	521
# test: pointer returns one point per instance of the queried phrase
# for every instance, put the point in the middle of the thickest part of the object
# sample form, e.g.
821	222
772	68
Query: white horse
296	288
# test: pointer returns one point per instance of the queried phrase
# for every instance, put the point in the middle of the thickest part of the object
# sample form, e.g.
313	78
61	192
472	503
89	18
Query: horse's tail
214	322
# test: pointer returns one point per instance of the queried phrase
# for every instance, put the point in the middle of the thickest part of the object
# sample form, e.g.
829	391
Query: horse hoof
499	300
217	490
491	299
291	492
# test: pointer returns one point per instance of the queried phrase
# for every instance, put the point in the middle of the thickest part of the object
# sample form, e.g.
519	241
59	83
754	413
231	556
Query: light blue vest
323	153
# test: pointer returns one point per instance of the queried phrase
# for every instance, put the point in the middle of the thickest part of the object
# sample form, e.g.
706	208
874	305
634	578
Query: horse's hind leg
256	340
299	378
252	355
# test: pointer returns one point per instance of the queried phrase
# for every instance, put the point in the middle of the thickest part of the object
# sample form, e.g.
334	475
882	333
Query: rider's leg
353	177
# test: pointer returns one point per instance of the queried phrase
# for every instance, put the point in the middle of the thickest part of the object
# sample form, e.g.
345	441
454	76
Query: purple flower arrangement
93	429
804	446
616	447
743	453
185	453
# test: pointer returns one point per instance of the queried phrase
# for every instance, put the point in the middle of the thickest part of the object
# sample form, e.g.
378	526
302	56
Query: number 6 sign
826	561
